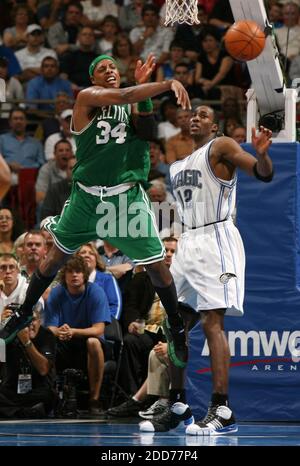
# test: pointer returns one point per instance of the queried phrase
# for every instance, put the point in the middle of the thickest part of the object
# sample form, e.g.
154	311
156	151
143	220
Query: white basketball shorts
209	268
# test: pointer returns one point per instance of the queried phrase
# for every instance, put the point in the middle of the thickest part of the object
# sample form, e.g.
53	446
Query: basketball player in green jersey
113	161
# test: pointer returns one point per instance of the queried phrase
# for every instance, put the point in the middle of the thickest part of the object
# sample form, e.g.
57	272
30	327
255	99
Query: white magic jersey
201	197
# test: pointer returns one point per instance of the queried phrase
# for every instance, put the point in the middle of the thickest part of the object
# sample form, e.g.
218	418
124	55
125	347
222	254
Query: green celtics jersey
108	151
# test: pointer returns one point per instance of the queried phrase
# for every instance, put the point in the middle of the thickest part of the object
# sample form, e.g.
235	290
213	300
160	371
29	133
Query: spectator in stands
157	151
19	248
15	36
13	285
162	206
151	37
58	193
19	149
47	85
32	353
123	54
110	29
180	145
214	66
13	91
51	12
8	231
183	74
105	280
168	127
131	15
64	133
51	125
5	178
76	312
49	240
231	109
34	251
14	67
239	134
274	13
116	263
189	36
230	124
75	64
62	35
167	69
130	79
96	10
138	300
221	15
31	56
54	170
290	30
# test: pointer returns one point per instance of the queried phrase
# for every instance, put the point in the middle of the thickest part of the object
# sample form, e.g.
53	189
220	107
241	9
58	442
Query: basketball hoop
181	11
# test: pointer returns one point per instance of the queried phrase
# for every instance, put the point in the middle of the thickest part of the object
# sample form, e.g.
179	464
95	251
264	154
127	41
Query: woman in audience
214	67
105	280
7	231
15	37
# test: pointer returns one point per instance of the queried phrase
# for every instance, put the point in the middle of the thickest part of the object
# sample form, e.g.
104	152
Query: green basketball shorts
125	220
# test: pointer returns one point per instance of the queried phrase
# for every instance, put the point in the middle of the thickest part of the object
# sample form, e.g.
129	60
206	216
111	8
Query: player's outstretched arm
97	96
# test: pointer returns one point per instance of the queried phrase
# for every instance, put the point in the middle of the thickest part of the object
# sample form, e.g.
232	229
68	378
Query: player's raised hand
143	71
261	141
181	94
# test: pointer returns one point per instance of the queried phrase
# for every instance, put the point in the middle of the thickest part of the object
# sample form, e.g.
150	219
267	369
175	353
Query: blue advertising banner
265	342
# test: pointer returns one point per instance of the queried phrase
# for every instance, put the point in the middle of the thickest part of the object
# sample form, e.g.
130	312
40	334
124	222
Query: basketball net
181	11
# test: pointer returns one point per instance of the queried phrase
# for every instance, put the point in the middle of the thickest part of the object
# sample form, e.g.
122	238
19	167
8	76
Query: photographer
27	388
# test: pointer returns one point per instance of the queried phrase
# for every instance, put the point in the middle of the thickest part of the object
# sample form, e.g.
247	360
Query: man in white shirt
151	37
12	285
31	56
96	10
64	133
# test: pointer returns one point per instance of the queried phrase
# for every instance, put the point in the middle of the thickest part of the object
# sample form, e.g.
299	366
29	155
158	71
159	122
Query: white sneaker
218	421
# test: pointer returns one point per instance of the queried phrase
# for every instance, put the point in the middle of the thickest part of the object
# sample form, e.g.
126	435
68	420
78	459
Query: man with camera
27	389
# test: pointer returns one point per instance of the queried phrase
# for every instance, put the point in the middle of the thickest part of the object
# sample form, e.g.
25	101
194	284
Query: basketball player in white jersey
208	268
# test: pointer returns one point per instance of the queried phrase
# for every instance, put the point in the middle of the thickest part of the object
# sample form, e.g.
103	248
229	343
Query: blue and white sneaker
218	421
176	416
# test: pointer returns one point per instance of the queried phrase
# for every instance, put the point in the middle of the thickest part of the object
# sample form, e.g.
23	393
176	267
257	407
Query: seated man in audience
34	250
31	56
27	390
47	85
76	312
12	285
58	193
18	148
63	133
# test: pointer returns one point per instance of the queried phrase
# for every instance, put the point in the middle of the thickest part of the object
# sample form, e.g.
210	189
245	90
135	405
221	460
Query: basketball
244	40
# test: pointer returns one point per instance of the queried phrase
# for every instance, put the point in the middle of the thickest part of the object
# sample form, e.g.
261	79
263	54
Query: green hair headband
97	60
